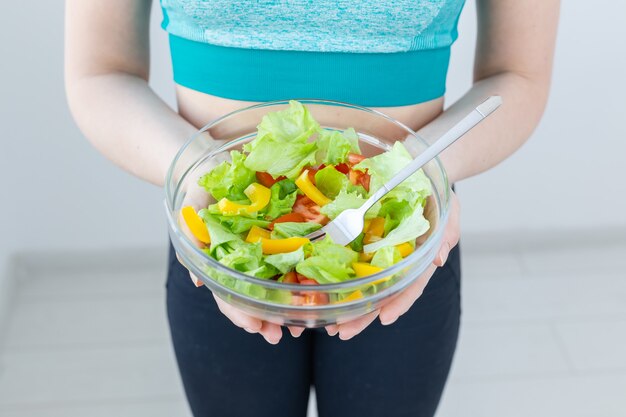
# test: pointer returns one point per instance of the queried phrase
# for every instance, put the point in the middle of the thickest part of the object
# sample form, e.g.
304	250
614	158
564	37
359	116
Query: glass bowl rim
266	283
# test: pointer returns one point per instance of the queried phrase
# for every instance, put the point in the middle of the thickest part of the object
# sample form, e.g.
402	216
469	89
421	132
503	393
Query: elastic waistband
367	79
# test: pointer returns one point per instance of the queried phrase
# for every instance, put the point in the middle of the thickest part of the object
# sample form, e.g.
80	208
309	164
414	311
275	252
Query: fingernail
294	334
332	330
344	336
271	341
249	330
387	321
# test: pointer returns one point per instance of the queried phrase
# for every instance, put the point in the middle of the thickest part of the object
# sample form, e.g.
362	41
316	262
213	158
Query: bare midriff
200	108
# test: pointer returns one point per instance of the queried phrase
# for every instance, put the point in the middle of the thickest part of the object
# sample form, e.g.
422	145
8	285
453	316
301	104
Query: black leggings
396	370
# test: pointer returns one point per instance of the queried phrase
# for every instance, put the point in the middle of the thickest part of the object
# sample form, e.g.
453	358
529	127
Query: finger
271	332
442	255
401	304
451	234
352	328
196	280
332	329
238	317
296	331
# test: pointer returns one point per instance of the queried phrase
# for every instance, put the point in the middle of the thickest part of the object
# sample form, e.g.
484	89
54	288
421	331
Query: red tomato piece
311	211
353	176
315	298
290	217
364	180
360	178
355	158
343	168
290	278
297	300
310	298
266	179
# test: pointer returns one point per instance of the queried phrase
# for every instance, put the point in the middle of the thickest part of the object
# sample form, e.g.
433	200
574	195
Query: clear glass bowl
279	302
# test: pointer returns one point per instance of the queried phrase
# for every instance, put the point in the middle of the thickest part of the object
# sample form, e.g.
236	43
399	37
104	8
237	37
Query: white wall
59	193
570	174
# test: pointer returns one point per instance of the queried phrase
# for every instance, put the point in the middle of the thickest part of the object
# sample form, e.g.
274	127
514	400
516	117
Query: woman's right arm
107	62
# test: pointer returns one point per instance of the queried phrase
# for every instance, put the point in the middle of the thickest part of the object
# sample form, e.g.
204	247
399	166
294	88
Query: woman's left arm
514	54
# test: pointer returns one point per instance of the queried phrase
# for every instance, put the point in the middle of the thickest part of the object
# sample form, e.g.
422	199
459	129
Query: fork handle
468	122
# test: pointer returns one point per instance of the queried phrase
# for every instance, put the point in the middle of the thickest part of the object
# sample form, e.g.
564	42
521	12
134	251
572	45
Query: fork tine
318	234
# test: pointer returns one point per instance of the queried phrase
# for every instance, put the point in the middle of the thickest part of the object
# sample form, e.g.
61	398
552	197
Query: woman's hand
271	332
401	304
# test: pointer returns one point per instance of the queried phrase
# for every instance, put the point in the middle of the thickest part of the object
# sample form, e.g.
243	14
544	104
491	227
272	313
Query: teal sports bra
368	52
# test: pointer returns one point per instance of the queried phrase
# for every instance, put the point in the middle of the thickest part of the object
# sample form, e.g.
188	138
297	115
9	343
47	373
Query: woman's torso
200	108
391	53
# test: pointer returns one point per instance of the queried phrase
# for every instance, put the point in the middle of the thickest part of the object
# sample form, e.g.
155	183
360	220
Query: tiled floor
544	334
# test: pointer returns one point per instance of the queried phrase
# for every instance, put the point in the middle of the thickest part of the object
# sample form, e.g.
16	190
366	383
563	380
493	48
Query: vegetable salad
289	181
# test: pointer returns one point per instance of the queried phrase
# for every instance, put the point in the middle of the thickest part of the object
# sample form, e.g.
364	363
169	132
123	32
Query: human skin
107	71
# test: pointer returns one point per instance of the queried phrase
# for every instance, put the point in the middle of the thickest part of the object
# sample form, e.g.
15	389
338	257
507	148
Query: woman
390	55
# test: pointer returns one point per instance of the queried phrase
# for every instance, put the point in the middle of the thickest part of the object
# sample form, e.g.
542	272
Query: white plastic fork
349	224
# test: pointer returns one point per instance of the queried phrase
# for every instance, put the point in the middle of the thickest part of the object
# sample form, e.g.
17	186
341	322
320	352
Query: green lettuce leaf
394	211
327	249
329	263
220	235
334	146
285	262
348	200
294	124
386	257
242	256
282	199
281	146
291	229
281	158
247	258
384	166
324	271
409	229
330	181
228	179
240	224
285	187
357	244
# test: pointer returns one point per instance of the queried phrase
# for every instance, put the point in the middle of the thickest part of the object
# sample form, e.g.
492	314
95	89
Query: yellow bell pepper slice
273	246
362	269
405	249
195	224
353	296
306	186
366	256
258	195
377	227
369	238
256	233
366	225
375	230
